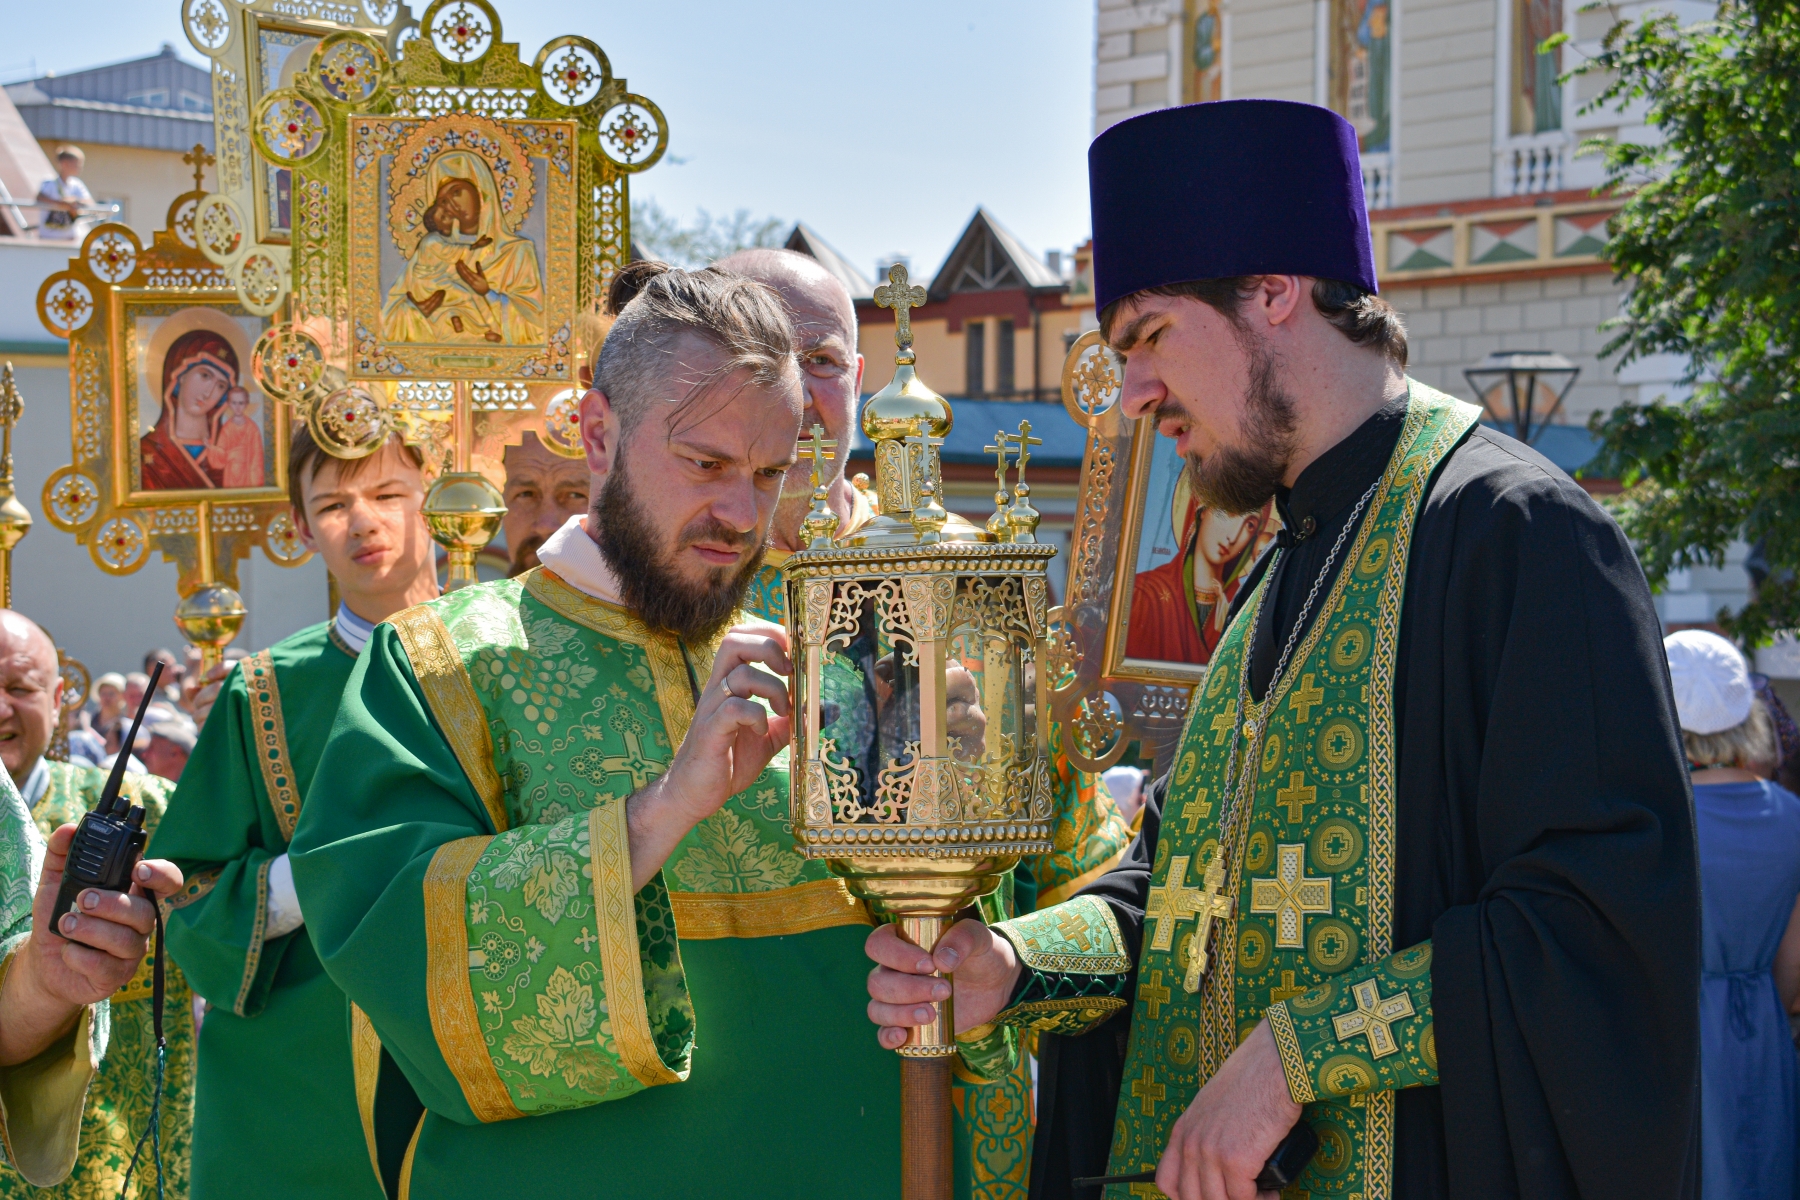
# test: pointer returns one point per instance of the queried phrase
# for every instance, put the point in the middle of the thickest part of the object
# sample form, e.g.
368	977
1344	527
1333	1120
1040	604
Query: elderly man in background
171	741
543	490
51	982
57	794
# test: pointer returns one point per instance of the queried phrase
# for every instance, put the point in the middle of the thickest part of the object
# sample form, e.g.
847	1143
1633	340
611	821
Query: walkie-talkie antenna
109	798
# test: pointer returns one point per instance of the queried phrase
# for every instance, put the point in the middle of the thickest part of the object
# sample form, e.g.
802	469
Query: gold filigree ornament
1106	701
220	231
1093	378
287	362
562	423
71	499
281	540
349	423
288	127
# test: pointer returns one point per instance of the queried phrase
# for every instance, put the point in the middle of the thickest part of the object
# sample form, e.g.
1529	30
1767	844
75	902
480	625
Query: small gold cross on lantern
198	159
1373	1017
928	516
997	524
821	524
895	294
1022	518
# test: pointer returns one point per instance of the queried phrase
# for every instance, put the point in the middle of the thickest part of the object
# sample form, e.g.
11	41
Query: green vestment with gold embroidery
1295	913
991	1080
42	1100
464	868
118	1101
275	1083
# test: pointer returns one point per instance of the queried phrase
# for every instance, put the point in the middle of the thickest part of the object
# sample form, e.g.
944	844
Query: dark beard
525	555
648	581
1241	478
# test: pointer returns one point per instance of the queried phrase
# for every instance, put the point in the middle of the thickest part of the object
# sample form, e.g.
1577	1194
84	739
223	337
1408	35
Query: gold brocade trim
673	694
337	639
451	696
1293	1062
271	741
615	912
259	923
1089	1008
142	984
365	1067
821	904
196	887
406	1164
452	1002
1064	891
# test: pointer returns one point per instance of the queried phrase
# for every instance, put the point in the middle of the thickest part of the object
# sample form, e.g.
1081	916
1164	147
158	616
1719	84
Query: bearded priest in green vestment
1422	877
58	793
275	1048
548	852
993	1084
58	985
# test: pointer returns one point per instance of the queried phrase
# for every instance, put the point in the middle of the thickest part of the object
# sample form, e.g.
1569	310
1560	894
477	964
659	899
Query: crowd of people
171	724
1460	874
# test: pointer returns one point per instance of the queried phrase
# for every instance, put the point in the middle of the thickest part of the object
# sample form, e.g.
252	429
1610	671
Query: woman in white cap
1749	833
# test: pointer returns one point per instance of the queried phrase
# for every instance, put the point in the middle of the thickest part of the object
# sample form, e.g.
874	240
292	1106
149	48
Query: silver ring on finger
725	684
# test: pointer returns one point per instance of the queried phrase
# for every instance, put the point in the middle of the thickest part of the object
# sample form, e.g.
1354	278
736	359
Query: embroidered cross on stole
1305	857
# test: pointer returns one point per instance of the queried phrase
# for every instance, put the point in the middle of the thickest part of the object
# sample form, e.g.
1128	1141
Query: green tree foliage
657	234
1709	244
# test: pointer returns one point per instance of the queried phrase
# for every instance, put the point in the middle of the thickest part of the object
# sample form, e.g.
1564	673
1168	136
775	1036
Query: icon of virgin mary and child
469	281
204	437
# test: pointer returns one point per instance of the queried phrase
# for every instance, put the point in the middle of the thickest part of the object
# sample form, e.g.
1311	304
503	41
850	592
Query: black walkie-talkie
110	839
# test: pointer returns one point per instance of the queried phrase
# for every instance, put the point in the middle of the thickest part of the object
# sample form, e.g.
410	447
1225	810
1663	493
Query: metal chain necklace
1256	729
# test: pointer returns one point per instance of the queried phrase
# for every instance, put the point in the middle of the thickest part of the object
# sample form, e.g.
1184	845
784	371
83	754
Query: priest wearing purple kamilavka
1421	877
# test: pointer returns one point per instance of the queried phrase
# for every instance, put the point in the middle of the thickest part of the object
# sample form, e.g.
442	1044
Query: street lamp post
1532	384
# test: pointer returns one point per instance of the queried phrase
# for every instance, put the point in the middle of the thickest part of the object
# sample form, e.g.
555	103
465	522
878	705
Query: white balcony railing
1378	180
1526	166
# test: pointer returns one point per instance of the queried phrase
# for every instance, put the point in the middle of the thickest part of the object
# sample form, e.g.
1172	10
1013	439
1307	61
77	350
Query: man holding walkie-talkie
54	975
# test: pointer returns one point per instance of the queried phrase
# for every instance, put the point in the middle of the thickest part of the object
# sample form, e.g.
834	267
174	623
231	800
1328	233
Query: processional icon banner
411	232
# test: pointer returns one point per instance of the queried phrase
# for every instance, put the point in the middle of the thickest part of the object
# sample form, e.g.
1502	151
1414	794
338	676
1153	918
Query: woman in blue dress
1750	881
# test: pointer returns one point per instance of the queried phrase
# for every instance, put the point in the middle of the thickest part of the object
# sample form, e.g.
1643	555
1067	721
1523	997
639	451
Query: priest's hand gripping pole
906	603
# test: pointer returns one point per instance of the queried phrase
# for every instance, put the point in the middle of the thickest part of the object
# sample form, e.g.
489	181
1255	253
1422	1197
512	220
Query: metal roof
155	103
805	240
978	420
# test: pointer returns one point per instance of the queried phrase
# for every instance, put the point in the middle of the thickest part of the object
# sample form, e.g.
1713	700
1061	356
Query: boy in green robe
992	1100
55	982
549	855
56	793
275	1053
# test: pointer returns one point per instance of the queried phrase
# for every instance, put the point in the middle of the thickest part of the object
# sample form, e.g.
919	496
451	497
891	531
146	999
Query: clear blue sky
881	125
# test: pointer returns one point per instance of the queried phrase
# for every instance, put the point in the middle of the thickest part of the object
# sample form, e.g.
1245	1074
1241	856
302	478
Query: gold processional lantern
901	631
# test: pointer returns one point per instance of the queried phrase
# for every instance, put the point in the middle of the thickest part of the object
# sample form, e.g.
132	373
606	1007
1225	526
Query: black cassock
1546	844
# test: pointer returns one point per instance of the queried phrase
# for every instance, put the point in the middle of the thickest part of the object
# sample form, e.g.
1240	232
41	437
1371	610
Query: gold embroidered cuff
1080	937
1293	1062
452	1002
615	912
259	924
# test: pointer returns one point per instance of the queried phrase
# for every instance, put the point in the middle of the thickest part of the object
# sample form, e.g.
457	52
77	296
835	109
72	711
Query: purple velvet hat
1233	187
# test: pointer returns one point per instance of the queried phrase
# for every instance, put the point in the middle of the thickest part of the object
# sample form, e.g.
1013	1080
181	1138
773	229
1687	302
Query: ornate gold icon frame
101	303
256	48
1106	700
